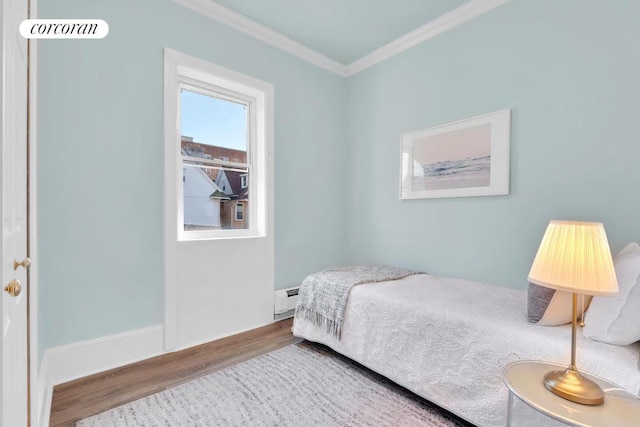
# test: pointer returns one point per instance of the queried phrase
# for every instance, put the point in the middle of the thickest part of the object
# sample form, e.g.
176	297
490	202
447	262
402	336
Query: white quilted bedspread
448	340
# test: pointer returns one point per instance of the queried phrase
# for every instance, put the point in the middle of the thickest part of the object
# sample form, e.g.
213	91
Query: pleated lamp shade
575	257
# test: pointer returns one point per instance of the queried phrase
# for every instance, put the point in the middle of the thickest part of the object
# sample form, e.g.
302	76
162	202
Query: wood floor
91	395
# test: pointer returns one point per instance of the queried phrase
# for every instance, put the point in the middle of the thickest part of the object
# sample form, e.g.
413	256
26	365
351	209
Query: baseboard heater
285	302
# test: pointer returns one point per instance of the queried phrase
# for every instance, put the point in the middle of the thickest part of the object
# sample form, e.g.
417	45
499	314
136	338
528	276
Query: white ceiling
343	30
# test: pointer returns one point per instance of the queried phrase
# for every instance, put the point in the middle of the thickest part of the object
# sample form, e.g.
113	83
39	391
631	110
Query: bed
448	340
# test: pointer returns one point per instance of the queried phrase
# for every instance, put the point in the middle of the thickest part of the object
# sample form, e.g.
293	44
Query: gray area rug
302	384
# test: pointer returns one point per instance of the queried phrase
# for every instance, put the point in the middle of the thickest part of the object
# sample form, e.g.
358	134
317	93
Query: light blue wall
100	164
569	72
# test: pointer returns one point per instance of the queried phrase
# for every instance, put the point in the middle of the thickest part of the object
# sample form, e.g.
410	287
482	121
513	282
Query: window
216	131
218	125
239	212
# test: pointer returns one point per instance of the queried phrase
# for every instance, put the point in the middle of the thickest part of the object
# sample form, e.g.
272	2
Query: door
14	362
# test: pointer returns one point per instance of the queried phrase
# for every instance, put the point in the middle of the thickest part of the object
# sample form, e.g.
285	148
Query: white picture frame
465	158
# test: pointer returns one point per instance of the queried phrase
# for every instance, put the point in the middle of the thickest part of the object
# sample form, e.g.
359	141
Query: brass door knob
26	263
13	288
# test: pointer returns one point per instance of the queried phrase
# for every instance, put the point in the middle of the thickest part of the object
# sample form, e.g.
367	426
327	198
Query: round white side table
525	380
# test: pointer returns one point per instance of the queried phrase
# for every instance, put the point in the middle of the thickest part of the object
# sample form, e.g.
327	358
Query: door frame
37	386
35	396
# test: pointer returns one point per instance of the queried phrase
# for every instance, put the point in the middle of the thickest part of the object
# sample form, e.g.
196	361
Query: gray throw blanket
323	296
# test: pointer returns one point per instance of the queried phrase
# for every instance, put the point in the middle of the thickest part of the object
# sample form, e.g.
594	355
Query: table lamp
575	257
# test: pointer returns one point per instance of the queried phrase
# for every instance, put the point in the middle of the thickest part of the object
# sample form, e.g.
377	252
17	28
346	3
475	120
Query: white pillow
616	319
549	307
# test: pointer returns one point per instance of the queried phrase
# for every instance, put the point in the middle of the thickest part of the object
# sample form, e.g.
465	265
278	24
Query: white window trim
244	181
181	69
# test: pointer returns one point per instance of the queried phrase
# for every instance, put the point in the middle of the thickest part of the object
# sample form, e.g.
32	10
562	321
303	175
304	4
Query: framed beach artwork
464	158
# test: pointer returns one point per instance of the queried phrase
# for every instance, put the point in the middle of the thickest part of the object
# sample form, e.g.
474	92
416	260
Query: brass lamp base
572	385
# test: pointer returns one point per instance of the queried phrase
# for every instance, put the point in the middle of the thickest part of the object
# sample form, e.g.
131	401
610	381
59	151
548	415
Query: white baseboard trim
77	360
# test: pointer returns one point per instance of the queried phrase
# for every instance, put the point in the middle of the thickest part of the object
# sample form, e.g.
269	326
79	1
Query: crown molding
452	19
449	20
248	26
